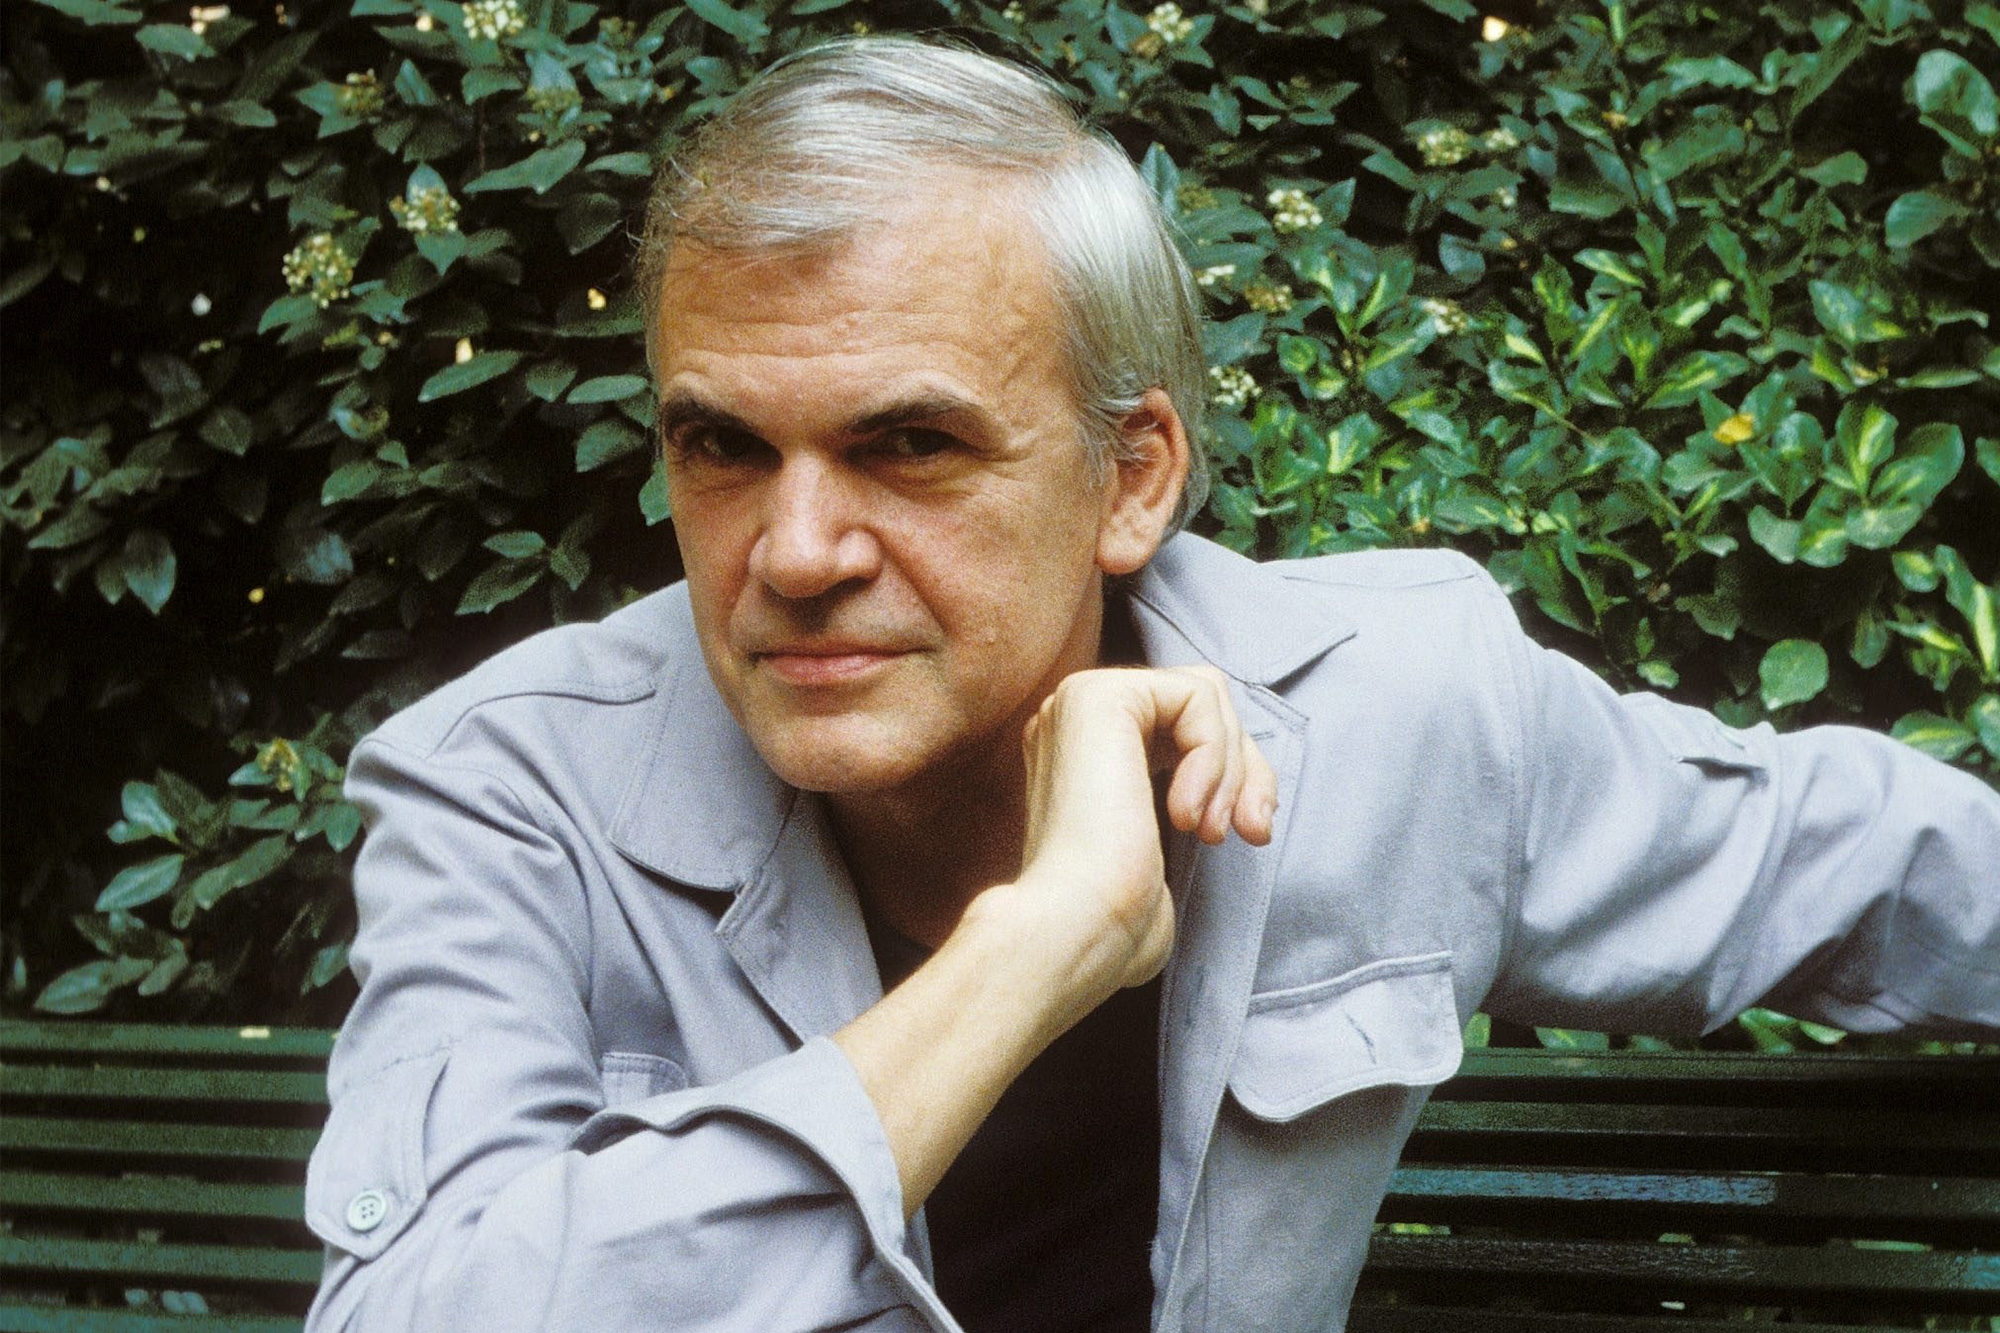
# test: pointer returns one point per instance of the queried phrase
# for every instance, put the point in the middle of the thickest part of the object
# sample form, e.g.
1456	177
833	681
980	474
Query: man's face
888	519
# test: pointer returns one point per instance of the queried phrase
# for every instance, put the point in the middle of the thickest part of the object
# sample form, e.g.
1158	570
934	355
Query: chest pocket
1390	1023
631	1076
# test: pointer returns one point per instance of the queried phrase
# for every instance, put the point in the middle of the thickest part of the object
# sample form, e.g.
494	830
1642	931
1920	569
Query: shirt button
366	1210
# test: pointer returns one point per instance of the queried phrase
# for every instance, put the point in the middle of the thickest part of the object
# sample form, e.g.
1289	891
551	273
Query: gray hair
820	143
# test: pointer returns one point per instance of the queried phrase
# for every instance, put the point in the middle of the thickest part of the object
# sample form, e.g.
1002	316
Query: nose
812	538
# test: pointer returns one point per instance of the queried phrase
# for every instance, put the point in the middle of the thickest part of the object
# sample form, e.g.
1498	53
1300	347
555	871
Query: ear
1142	494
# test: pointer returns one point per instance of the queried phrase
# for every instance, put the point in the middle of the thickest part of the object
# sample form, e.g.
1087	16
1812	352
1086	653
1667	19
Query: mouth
840	664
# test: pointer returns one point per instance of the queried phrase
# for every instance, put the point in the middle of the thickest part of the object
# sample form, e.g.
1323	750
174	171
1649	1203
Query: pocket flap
366	1181
1392	1022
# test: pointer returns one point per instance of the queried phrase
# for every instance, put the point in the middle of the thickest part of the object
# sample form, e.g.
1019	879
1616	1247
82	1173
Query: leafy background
323	378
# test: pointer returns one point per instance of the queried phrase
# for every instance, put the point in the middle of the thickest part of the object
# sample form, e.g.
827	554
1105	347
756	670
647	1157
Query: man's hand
1088	913
1092	855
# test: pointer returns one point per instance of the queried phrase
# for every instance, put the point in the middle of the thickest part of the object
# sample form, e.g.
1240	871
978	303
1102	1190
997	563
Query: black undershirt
1044	1223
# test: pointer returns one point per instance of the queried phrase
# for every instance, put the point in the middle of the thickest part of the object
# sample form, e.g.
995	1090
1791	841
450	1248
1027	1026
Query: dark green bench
166	1163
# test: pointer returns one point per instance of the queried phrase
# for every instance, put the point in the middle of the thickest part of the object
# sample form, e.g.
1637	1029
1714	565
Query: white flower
318	264
1014	14
1214	273
428	211
1270	299
1446	316
1232	386
1292	211
1444	147
1167	21
494	19
1500	139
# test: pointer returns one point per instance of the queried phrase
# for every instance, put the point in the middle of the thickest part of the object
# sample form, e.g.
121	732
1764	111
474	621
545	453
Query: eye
714	444
909	444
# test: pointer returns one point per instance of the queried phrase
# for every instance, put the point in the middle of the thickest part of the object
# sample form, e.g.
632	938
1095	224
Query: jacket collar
703	810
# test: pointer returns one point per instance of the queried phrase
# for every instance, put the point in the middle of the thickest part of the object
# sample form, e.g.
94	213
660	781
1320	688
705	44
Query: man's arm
1088	914
1674	871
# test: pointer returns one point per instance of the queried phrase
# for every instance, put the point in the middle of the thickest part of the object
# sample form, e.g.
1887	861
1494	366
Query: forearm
936	1053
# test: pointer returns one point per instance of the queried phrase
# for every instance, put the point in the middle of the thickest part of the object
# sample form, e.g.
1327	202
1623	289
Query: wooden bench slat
119	1083
152	1196
141	1138
1927	1280
1744	1197
1462	1319
1812	1075
1650	1132
175	1263
67	1038
56	1319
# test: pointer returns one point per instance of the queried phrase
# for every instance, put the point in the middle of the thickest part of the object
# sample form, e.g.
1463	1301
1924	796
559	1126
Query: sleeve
469	1175
1674	871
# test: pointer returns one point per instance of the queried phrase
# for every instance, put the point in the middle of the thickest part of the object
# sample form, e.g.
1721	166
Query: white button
366	1210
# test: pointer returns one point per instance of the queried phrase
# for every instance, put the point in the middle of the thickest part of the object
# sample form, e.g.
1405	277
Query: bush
324	377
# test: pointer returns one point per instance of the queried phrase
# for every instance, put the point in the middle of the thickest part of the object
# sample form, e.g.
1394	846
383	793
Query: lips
824	664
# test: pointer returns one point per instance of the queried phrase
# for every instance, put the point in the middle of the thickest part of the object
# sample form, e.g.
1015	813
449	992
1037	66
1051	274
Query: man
928	371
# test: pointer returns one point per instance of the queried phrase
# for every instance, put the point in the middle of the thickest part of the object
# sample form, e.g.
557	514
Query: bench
151	1183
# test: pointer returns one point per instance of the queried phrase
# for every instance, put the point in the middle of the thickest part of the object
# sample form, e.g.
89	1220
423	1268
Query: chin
830	758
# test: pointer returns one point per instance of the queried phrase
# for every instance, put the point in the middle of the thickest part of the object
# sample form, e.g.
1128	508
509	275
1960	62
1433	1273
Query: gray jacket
587	1083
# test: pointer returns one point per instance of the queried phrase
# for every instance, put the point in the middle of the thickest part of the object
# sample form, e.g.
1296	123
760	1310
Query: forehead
954	282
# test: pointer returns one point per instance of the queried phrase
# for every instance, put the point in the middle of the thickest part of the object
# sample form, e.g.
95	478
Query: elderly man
702	947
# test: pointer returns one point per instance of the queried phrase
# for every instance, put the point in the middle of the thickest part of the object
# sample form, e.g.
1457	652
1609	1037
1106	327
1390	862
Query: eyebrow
682	409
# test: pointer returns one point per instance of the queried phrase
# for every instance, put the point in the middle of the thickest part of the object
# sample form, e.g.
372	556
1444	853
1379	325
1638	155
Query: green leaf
1569	1039
93	12
608	388
173	39
84	989
1938	737
149	568
588	219
538	171
1793	671
1985	715
1694	374
1843	313
502	583
142	883
605	440
248	867
343	825
1845	169
145	815
547	379
1865	436
1917	214
467	374
349	480
745	27
1988	453
623	164
1925	463
517	545
654	502
1956	101
1779	536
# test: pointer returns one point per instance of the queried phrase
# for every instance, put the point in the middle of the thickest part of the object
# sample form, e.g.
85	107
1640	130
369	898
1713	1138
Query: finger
1255	813
1210	772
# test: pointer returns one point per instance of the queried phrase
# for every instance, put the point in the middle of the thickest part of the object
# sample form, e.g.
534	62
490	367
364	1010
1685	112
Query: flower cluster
1269	299
494	19
428	211
617	32
1499	139
1214	273
553	101
318	264
1194	198
1444	146
1291	210
1232	386
1169	23
1506	196
1446	316
360	97
1014	14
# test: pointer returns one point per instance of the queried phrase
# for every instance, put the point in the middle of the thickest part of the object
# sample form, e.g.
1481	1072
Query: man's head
894	533
821	147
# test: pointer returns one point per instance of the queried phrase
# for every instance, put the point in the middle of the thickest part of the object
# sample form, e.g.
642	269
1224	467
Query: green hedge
324	378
